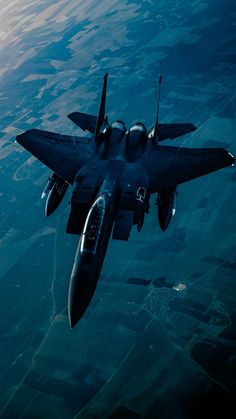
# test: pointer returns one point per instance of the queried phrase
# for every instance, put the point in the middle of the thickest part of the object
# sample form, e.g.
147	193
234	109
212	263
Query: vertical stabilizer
155	134
102	107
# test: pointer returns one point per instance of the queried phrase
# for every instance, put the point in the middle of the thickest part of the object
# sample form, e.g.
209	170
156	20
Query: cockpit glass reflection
93	226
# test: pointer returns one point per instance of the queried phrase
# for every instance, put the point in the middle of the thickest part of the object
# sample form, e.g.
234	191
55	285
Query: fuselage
109	191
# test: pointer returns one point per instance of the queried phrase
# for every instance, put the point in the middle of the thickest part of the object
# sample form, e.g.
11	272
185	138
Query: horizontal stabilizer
171	131
84	121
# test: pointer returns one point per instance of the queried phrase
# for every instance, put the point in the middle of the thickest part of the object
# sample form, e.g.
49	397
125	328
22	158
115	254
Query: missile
55	196
54	190
166	204
49	185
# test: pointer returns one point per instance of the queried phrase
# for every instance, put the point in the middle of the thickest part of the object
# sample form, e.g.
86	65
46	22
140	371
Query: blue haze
142	349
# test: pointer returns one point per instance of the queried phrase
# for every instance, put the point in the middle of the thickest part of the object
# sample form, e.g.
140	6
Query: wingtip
70	115
232	158
17	138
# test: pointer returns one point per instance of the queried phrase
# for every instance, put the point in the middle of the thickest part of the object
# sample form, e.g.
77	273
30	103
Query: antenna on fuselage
155	133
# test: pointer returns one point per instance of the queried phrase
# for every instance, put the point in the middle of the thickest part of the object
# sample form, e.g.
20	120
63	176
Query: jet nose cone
73	320
77	300
81	290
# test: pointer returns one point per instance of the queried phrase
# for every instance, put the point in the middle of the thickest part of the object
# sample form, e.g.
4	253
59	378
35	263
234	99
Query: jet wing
170	166
84	121
171	131
63	154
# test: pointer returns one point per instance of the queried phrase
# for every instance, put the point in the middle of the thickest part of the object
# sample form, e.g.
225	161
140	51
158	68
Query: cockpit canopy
119	125
93	226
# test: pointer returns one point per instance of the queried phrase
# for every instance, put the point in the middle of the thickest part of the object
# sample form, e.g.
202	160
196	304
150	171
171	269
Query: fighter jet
113	174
